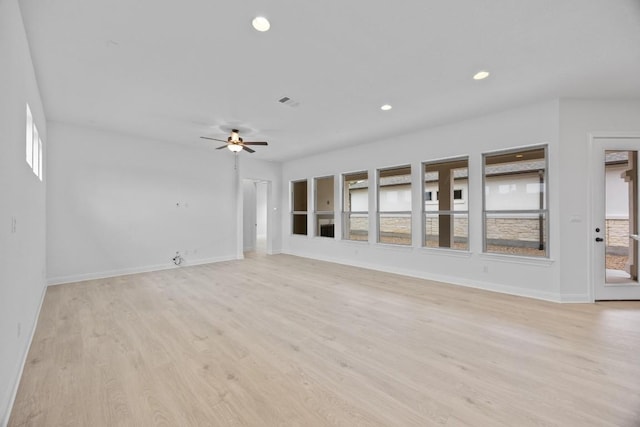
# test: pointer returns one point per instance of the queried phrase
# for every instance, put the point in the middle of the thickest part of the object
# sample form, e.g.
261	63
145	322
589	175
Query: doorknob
599	239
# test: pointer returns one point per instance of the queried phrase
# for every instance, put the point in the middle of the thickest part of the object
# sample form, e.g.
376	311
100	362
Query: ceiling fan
235	143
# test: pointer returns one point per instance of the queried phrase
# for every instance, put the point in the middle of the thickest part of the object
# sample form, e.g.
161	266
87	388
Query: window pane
299	224
325	225
36	157
40	159
446	185
324	194
395	228
29	137
516	234
515	181
299	202
356	192
394	190
356	226
454	227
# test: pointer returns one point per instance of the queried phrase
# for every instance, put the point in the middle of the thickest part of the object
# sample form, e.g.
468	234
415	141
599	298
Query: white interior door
614	223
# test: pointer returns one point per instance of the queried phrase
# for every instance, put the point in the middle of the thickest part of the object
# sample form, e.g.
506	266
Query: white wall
579	118
22	196
119	204
525	126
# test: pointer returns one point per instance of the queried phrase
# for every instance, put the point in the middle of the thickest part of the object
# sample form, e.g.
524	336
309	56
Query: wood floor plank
286	341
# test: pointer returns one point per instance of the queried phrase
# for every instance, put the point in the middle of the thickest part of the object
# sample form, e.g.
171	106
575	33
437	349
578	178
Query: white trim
52	281
460	253
516	259
592	137
451	280
14	393
575	299
396	247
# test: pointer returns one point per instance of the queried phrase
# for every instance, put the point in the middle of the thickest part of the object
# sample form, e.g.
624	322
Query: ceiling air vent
285	100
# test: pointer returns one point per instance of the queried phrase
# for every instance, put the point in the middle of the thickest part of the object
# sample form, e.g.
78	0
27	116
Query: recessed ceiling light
386	107
481	75
261	23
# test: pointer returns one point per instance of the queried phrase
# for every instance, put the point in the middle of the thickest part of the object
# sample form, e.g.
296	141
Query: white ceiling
175	70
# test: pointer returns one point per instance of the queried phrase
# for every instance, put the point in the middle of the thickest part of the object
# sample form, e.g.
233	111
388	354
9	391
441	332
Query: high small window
446	213
355	206
299	207
29	140
33	145
394	205
515	202
324	207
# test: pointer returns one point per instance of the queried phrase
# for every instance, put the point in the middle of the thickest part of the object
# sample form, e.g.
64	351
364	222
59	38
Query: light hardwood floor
287	341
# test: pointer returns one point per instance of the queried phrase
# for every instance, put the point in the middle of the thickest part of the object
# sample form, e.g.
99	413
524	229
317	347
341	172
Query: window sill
323	238
355	242
446	252
299	236
517	259
391	246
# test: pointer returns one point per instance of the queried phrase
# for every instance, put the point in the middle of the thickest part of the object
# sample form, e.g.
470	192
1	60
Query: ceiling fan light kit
236	144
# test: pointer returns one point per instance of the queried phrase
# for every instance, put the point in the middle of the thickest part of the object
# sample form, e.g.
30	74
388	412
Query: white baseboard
51	281
477	284
14	393
575	298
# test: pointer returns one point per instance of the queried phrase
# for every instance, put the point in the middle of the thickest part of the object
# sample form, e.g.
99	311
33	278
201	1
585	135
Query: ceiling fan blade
248	149
213	139
220	148
255	143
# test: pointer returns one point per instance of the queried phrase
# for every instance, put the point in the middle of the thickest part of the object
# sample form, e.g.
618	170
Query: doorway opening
621	221
255	216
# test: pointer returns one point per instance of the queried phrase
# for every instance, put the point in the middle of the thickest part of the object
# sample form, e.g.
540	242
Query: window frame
295	212
33	144
436	200
319	213
379	212
346	214
545	211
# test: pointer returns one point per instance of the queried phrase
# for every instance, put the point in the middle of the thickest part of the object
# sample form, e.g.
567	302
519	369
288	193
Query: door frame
240	214
593	144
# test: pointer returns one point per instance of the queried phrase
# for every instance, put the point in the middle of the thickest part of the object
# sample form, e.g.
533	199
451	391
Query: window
33	145
394	205
515	202
29	142
355	206
324	207
446	216
299	207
